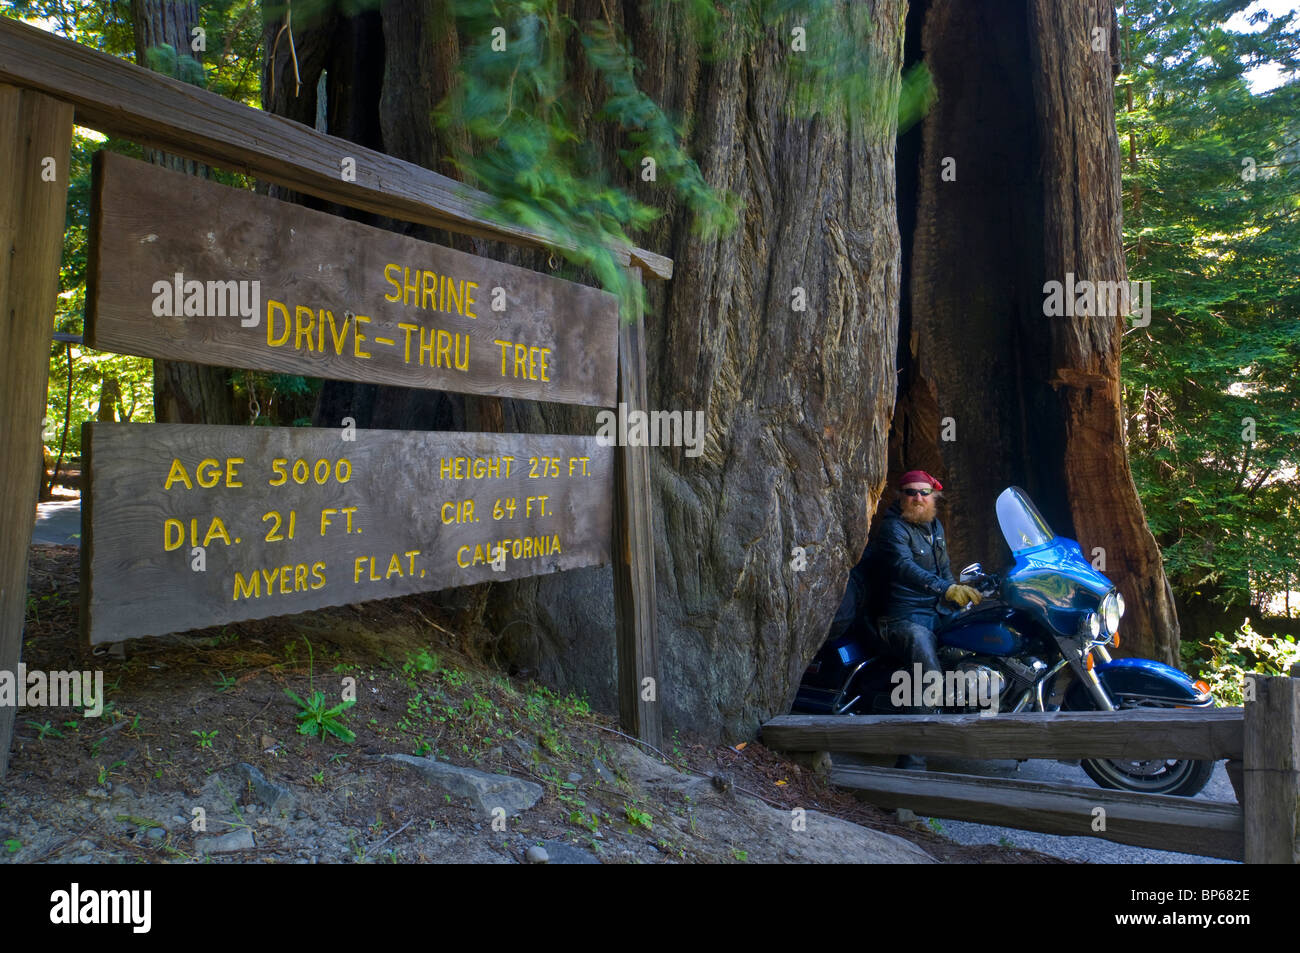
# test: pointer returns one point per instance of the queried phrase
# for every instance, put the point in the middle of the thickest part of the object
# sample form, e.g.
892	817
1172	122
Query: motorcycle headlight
1090	625
1110	611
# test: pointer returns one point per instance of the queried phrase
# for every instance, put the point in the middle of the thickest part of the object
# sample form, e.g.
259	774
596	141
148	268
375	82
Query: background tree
1212	220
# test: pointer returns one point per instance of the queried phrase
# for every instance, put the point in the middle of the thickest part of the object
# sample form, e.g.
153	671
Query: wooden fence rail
1261	743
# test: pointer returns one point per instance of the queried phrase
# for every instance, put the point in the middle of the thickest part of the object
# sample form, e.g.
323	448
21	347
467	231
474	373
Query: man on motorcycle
912	552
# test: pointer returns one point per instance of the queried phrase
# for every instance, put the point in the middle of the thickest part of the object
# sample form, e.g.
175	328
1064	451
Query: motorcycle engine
975	673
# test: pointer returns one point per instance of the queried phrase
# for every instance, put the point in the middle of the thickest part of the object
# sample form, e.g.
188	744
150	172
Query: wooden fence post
634	555
34	168
1272	771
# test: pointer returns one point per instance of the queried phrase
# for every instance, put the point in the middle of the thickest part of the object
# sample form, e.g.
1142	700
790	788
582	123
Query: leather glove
962	594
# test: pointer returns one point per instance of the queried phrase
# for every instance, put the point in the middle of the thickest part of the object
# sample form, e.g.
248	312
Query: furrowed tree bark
183	392
996	392
796	403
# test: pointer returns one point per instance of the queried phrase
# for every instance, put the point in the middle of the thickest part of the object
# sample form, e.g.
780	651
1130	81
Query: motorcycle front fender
1139	681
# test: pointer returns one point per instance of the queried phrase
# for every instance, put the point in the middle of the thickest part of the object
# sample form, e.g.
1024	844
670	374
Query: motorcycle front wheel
1183	778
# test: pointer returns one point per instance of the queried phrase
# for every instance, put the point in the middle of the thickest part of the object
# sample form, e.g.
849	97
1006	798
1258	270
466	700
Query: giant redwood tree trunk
996	392
183	393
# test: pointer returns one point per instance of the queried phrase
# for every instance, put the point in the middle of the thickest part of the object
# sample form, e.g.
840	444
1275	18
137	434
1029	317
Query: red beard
924	515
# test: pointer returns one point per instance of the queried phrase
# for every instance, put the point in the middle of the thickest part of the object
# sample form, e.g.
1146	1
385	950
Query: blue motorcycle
1036	642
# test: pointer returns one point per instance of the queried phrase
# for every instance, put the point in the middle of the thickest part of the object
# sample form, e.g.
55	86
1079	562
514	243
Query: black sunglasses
917	492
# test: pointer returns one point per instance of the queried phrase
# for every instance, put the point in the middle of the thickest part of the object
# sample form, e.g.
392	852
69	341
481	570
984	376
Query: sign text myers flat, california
187	269
187	526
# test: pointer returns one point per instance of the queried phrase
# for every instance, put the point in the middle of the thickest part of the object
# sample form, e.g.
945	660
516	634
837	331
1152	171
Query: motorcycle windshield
1023	527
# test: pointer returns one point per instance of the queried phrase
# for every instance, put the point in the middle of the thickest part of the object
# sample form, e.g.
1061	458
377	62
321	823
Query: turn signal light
1088	664
1201	686
1116	640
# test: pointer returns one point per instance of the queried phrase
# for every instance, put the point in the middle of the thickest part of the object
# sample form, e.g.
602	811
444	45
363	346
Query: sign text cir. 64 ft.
204	525
187	269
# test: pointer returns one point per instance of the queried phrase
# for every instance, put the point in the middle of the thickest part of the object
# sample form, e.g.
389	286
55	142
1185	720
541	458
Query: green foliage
638	818
316	719
1225	661
520	108
1212	220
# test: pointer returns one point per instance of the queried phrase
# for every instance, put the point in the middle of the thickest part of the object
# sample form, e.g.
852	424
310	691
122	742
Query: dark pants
912	641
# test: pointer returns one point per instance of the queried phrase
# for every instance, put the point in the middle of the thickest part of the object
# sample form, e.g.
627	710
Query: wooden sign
187	269
187	526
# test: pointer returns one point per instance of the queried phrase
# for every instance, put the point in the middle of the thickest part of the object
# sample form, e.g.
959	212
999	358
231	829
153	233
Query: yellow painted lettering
217	529
177	472
358	337
213	473
397	285
171	541
249	588
272	308
303	329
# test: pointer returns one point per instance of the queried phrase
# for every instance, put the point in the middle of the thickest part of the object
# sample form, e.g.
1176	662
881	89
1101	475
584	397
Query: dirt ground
198	757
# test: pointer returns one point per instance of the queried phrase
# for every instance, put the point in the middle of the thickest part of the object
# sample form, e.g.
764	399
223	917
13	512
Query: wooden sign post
34	162
191	526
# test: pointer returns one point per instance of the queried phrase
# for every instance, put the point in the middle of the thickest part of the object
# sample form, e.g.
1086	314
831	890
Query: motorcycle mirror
973	571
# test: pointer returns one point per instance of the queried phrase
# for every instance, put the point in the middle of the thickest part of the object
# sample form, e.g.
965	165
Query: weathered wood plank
247	281
125	100
634	556
37	134
1271	772
1206	828
291	519
1203	734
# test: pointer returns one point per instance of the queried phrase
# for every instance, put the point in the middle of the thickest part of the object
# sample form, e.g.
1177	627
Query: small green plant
205	738
1005	842
319	776
935	825
45	729
224	682
741	856
13	846
421	661
316	718
638	818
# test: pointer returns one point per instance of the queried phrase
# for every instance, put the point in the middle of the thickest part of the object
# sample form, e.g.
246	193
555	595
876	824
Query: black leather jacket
915	557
